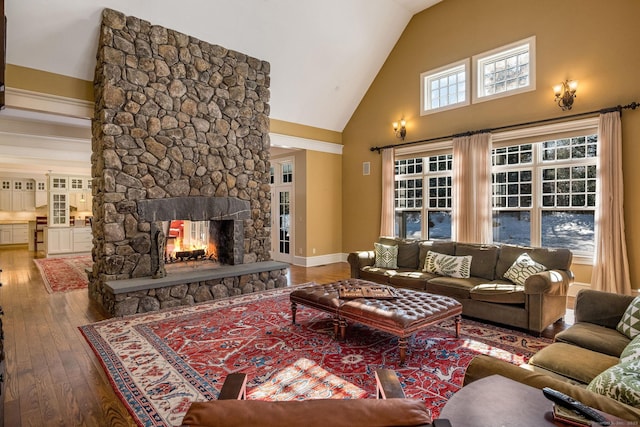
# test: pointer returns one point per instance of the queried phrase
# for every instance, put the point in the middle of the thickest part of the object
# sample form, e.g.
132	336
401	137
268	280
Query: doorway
282	209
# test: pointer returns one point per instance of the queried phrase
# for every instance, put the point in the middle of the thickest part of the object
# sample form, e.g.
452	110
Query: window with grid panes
287	172
445	88
544	193
423	190
505	71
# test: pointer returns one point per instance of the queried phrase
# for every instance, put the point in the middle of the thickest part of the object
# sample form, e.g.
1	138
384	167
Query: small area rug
158	363
65	273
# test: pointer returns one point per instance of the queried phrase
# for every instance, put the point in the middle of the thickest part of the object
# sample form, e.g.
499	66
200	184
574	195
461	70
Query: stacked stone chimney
175	117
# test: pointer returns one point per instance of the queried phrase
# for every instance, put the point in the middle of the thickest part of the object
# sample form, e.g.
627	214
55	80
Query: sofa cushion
386	255
375	274
441	246
630	322
498	292
452	287
594	337
620	382
484	259
631	351
448	265
553	259
561	358
408	254
522	268
408	251
410	279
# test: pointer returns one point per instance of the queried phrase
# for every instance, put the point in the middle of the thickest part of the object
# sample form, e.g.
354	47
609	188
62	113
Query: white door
282	230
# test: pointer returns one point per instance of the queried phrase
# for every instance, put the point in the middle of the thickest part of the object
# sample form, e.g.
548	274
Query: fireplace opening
195	229
188	241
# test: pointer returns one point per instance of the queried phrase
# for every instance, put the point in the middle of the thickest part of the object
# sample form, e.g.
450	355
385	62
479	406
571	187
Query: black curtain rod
631	106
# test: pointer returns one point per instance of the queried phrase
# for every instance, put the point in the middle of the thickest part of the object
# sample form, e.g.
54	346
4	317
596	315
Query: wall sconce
565	92
400	131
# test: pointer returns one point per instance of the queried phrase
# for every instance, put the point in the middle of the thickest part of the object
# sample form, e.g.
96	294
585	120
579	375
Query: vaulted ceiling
323	54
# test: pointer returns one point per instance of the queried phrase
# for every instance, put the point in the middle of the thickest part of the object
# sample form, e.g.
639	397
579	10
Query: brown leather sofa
580	353
486	295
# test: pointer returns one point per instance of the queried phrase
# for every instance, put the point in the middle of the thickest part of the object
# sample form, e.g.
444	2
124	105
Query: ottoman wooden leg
458	319
402	344
343	329
294	308
336	327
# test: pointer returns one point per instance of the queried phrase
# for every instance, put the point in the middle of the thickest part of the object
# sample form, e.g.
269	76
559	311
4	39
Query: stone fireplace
181	132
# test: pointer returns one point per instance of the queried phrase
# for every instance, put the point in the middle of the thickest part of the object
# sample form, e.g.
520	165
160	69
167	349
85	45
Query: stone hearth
181	131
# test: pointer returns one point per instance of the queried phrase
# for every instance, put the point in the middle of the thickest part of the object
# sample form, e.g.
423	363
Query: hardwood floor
52	376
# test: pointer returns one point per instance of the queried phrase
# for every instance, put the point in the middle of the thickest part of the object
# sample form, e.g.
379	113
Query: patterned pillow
631	351
620	382
448	265
630	322
386	256
522	268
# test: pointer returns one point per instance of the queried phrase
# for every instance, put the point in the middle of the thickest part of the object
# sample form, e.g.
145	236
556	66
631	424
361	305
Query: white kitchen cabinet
41	196
82	239
17	194
14	234
67	240
20	233
58	240
6	234
59	209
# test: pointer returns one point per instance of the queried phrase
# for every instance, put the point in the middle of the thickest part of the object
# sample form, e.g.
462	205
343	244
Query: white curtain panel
611	266
471	189
388	174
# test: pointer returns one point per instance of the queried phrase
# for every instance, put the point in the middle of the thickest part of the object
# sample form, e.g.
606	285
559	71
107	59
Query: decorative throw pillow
631	351
448	265
386	256
620	382
630	322
522	268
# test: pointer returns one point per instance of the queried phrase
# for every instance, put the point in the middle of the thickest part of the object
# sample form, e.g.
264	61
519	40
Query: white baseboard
319	260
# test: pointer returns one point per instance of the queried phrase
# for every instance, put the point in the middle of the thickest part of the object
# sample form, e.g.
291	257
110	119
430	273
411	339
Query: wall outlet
313	251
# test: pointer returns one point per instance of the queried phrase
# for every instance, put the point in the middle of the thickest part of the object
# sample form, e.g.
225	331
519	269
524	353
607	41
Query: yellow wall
591	41
44	82
318	202
324	204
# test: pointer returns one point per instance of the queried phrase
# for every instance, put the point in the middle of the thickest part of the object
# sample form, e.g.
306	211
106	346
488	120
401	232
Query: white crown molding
46	103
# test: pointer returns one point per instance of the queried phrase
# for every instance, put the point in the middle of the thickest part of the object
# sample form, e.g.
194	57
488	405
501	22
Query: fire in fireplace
188	240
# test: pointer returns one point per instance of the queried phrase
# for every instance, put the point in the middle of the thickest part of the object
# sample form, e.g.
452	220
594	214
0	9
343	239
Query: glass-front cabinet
59	210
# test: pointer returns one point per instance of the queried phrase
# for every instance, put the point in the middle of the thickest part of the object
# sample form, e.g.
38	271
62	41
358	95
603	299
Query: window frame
538	134
444	148
478	61
429	76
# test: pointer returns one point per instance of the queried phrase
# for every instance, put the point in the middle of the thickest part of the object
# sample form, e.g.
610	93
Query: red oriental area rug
64	274
159	363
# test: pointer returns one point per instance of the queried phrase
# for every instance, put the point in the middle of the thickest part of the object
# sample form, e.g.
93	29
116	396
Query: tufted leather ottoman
410	312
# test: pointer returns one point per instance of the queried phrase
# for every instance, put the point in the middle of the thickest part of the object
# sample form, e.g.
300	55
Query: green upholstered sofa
486	294
579	354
